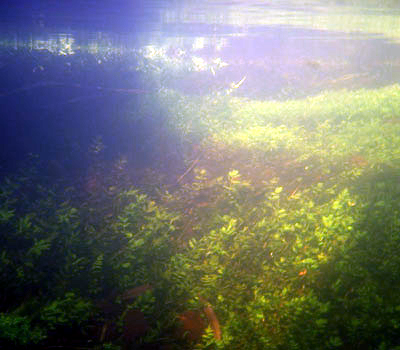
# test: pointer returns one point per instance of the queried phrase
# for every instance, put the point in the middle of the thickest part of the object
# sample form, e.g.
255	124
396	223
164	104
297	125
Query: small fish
303	272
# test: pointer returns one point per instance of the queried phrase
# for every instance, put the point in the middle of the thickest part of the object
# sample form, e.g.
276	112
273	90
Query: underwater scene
220	175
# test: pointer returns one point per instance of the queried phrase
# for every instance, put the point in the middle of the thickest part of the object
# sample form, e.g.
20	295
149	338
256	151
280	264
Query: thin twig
188	170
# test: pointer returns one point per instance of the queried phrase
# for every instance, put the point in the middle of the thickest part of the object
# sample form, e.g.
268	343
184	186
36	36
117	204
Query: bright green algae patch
331	125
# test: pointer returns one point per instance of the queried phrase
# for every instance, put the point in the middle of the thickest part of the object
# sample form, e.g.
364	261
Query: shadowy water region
200	175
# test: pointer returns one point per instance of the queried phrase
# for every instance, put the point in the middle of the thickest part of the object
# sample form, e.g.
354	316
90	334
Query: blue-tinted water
73	72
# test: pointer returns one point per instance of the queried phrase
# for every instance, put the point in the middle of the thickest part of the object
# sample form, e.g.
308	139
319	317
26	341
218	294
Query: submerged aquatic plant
282	232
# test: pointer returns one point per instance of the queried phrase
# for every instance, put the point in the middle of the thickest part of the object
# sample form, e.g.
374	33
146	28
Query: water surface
71	73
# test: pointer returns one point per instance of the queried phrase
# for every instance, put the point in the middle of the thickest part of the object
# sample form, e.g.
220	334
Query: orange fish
302	273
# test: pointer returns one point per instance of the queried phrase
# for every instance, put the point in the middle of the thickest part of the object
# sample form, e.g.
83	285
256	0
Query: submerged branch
188	170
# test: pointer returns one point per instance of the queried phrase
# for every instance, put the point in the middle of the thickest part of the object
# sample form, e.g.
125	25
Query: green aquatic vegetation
57	262
17	330
257	269
68	310
146	232
263	248
278	263
286	223
236	113
361	282
317	136
41	256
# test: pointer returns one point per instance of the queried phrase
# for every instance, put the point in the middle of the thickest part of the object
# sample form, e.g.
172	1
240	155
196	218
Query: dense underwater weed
286	225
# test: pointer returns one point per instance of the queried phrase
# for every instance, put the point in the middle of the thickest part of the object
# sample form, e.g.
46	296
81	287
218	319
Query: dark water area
56	97
72	73
68	102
